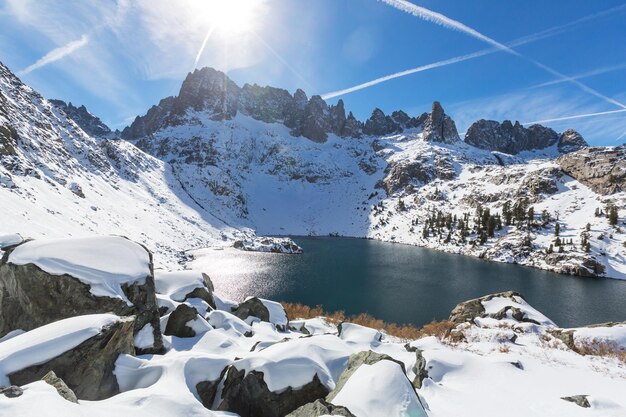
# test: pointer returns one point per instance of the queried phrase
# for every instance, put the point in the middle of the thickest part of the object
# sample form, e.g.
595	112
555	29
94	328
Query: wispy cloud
440	19
576	116
588	74
556	106
56	54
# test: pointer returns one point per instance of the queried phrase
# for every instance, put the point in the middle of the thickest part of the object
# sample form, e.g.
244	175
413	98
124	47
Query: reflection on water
403	284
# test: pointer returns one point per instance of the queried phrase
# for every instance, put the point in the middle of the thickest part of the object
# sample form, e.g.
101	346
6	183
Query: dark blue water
406	284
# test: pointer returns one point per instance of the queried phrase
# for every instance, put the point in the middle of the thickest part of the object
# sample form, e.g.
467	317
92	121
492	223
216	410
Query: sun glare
232	16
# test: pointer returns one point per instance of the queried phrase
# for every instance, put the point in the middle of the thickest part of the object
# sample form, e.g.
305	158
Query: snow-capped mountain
218	159
284	164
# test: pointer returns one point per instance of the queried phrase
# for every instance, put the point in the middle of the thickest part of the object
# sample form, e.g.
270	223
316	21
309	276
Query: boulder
367	357
320	408
183	285
252	307
64	391
579	400
88	368
370	377
208	389
70	279
249	396
421	373
177	321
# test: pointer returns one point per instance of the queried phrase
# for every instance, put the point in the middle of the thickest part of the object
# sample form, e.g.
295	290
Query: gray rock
64	391
380	125
252	307
421	373
12	391
249	396
367	357
30	297
88	368
177	321
204	293
439	127
579	400
320	408
602	169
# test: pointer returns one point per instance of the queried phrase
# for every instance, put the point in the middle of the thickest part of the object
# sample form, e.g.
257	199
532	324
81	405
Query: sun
231	17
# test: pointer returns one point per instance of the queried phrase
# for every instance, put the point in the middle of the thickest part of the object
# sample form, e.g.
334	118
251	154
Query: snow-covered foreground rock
224	358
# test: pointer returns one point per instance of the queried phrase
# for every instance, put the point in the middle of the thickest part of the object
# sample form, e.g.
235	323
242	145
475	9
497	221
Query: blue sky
540	61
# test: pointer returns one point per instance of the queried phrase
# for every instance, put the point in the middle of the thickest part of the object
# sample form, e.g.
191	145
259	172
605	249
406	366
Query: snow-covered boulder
10	240
43	281
182	285
375	385
80	350
269	244
264	310
185	322
284	376
506	305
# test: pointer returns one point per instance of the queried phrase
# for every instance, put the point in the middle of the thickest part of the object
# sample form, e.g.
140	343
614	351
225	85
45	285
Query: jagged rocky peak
513	138
380	124
209	90
571	141
439	127
91	124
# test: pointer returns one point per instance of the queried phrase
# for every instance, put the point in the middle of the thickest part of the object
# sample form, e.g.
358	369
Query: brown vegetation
602	348
439	329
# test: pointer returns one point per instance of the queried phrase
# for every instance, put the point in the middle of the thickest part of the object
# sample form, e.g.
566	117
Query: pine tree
557	229
613	216
550	249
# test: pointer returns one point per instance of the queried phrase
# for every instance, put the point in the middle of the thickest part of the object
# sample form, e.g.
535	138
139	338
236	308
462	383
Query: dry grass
439	329
604	349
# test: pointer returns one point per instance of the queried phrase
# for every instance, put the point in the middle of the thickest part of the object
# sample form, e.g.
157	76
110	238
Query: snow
90	261
10	240
44	343
498	303
613	334
278	316
177	285
144	338
380	389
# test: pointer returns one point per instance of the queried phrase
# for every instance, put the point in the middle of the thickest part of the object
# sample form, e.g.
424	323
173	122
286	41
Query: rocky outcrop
247	394
88	368
268	244
467	311
8	140
91	124
399	175
439	127
603	169
31	297
513	138
320	408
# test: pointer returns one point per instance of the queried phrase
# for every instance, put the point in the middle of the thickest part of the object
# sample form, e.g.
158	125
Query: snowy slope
58	181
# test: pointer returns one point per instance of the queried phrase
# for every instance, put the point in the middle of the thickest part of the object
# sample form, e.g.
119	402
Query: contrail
56	54
592	73
410	71
621	136
445	21
204	42
578	116
442	20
